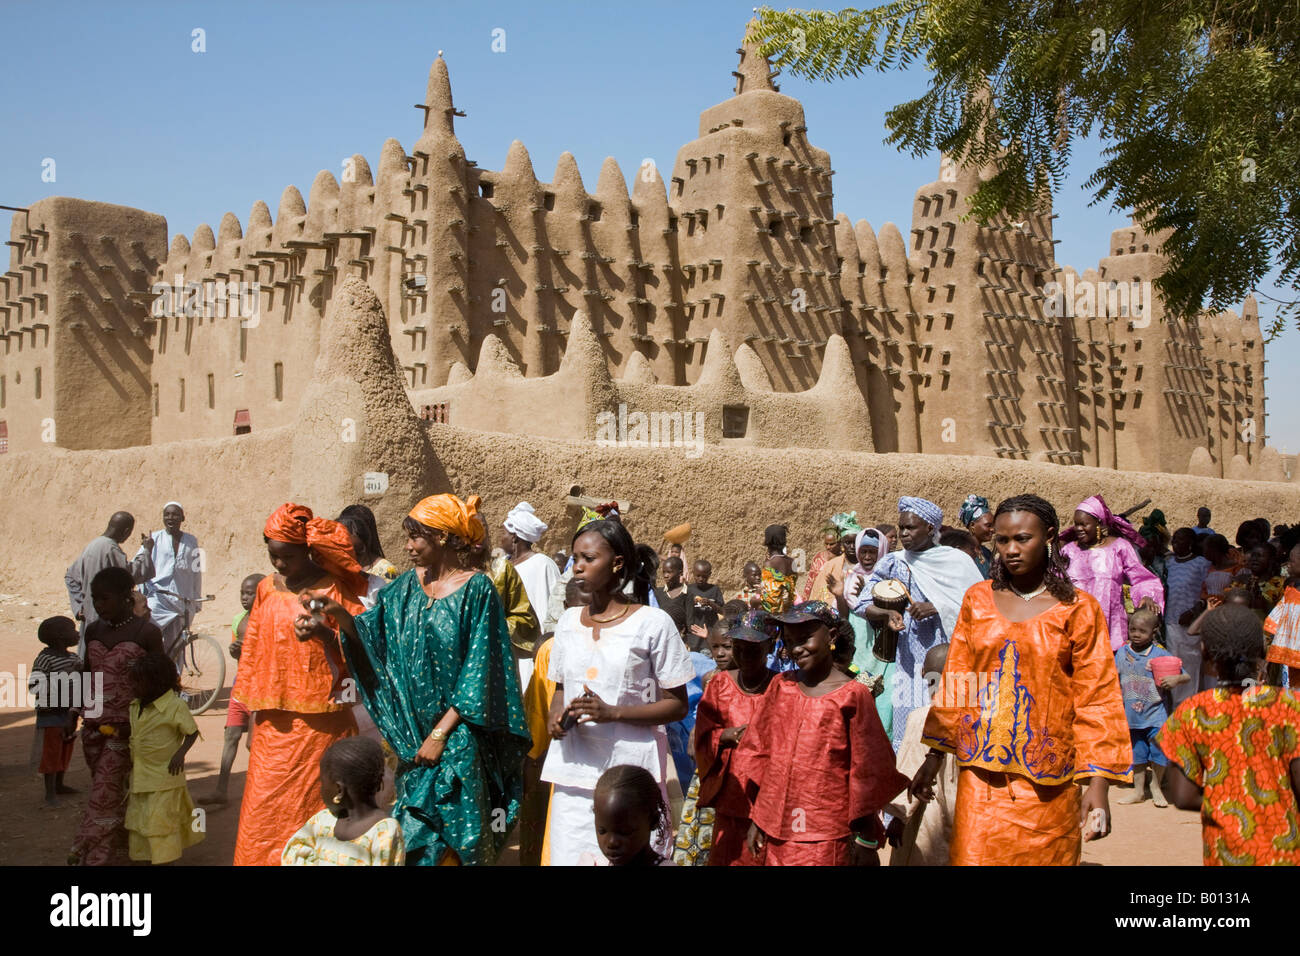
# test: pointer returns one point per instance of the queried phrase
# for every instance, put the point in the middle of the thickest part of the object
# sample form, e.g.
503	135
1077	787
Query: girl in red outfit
724	713
815	762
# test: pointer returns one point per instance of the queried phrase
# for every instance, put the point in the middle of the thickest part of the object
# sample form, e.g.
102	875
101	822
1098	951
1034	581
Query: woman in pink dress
113	641
1101	549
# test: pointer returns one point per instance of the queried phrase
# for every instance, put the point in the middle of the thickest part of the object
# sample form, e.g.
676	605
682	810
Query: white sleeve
555	666
668	655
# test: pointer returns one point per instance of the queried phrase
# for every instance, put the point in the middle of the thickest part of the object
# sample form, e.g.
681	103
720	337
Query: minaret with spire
755	232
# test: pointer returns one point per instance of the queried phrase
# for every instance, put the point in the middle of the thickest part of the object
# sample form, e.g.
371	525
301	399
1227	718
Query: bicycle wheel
203	672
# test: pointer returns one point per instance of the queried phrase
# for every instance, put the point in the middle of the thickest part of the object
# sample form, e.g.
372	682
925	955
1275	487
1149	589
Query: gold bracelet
438	734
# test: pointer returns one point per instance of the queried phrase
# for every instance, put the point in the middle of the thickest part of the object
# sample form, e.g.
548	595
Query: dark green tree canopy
1194	101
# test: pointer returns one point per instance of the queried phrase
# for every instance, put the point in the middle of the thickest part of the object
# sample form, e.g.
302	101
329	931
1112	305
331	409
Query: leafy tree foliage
1195	101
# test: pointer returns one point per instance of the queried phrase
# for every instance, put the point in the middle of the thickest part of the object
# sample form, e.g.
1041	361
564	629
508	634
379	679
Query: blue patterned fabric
927	511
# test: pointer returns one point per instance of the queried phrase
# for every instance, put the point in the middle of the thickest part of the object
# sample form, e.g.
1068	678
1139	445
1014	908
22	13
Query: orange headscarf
449	513
330	543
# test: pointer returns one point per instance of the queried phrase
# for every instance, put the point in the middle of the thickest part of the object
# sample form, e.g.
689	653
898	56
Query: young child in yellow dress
160	821
352	830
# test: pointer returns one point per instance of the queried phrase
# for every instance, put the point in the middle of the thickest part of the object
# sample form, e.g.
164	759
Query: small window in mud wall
4	437
435	413
212	390
279	381
243	342
775	226
155	400
38	381
805	233
243	422
548	201
485	189
2	391
181	402
735	421
690	225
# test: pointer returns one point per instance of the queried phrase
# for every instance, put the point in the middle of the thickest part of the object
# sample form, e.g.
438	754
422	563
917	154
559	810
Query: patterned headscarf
329	542
972	509
927	511
846	522
607	511
448	513
1113	523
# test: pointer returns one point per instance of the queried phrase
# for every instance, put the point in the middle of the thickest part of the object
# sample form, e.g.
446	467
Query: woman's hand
834	584
177	763
921	610
1149	604
1096	797
590	709
731	737
305	627
756	839
700	631
922	786
430	751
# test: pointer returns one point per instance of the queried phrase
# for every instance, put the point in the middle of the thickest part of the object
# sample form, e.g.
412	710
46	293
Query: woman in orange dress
291	675
1029	704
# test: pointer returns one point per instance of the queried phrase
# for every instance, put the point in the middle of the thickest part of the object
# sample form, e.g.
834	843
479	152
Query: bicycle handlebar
196	601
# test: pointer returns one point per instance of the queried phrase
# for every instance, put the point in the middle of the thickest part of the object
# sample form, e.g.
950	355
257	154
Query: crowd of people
963	694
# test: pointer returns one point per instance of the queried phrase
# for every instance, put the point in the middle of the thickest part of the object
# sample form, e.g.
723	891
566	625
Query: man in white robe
177	575
538	571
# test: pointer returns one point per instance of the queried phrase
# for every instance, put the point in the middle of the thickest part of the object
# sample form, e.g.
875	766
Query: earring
338	798
1049	551
832	645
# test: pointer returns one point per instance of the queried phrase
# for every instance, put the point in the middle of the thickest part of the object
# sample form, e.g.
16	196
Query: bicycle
200	659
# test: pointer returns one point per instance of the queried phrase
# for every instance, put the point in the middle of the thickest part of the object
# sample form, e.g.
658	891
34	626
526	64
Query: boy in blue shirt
1146	702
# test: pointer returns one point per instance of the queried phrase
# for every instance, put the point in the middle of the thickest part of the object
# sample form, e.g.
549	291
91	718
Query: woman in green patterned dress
433	665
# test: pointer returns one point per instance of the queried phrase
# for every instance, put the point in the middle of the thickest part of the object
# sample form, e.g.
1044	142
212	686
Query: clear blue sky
130	114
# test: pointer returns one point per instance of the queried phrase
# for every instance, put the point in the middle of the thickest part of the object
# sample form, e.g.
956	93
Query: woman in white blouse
620	671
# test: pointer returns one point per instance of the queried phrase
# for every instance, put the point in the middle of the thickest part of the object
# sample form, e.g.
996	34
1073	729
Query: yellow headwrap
449	513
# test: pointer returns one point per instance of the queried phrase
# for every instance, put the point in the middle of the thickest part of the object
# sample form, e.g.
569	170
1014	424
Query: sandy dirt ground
31	835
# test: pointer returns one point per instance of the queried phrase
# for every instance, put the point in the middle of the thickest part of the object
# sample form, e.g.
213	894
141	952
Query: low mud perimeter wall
57	501
730	494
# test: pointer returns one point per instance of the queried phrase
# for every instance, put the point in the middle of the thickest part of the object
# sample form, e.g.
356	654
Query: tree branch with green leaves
1195	103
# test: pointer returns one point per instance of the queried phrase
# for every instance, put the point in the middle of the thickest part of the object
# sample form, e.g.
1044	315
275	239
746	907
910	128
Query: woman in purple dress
1101	549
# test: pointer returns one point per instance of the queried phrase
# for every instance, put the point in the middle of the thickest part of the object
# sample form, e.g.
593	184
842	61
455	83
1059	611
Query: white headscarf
524	524
855	576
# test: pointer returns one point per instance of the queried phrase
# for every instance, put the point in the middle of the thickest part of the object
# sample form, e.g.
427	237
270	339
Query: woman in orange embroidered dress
1029	704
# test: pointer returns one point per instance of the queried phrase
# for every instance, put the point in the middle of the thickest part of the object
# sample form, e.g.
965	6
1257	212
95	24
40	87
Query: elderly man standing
538	571
104	552
936	578
177	574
